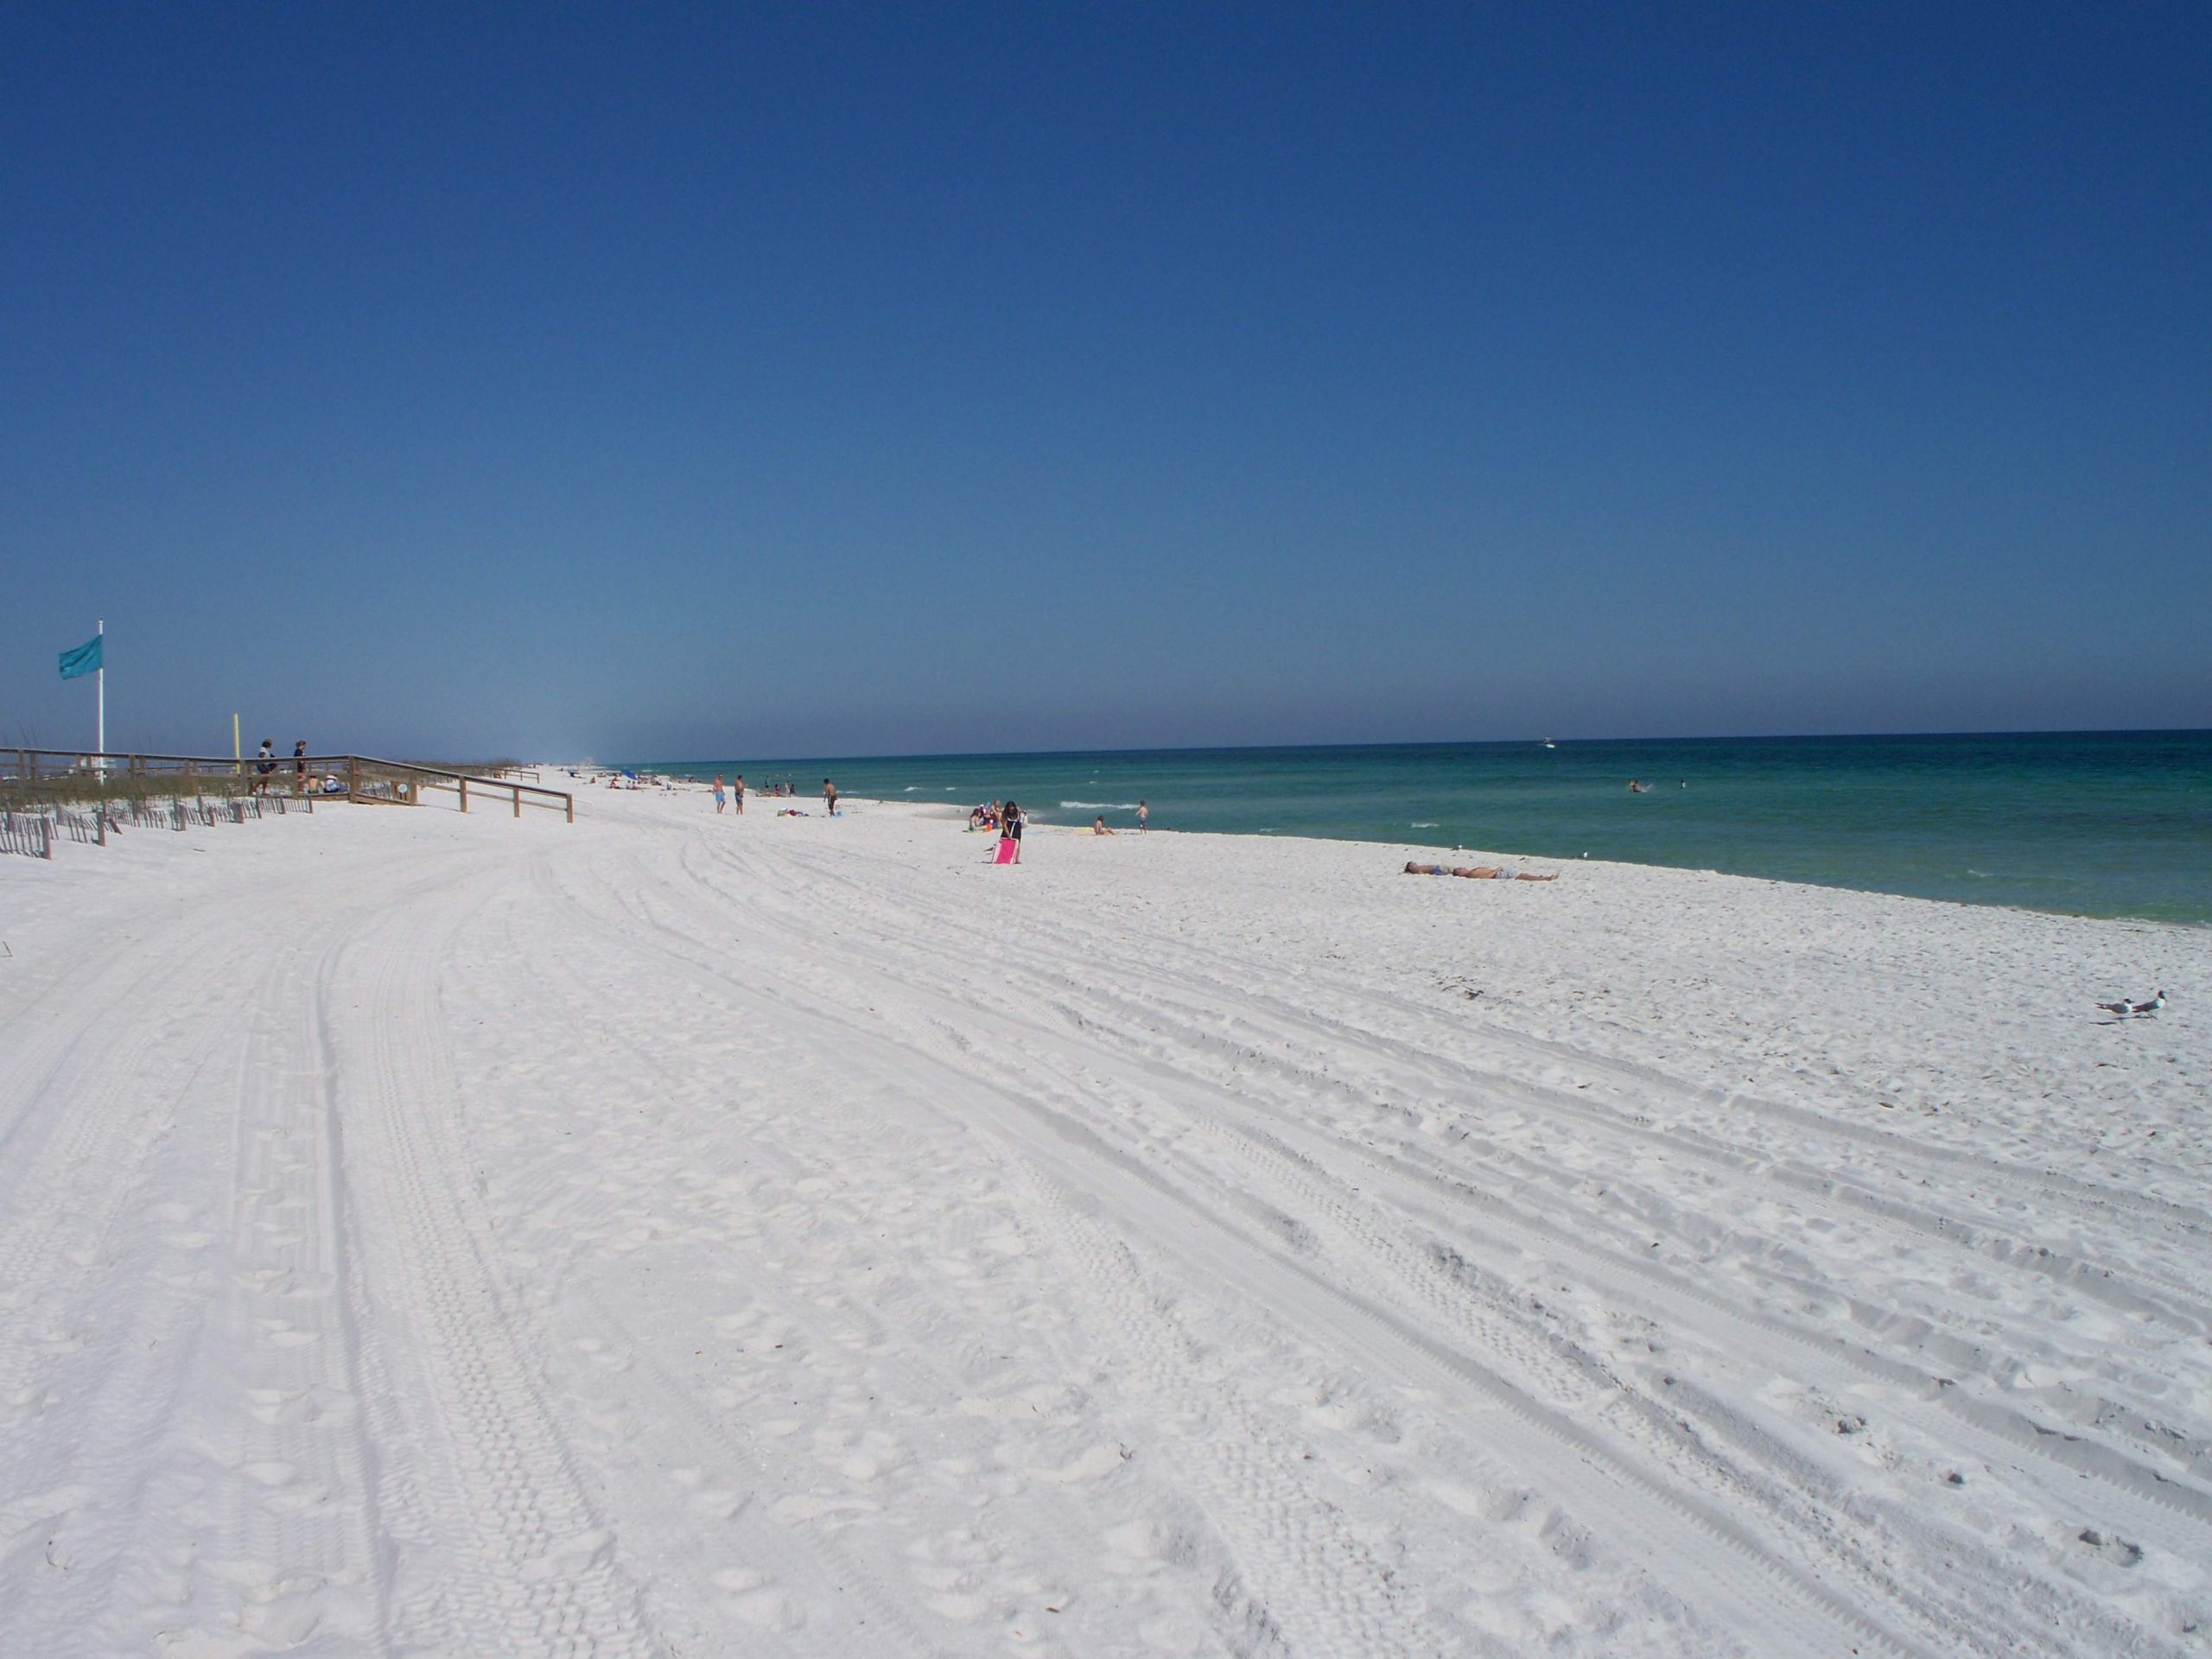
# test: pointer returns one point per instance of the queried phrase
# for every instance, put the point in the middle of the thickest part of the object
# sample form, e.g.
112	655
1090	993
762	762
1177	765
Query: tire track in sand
527	1558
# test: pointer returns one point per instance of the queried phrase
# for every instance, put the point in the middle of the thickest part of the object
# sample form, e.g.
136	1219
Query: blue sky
721	381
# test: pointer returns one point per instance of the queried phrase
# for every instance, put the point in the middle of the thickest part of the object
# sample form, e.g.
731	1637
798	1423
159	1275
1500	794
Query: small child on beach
1098	826
719	802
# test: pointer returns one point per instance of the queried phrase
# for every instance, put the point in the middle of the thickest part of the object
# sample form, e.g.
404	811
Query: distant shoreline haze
856	756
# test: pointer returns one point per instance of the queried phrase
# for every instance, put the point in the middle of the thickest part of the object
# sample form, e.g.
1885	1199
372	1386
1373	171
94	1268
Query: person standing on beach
829	797
738	792
1144	813
300	767
265	762
1010	821
719	802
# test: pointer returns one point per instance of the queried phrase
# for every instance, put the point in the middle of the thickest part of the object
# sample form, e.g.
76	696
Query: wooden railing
65	775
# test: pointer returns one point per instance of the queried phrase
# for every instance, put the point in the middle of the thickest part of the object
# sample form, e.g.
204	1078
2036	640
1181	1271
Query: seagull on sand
2124	1009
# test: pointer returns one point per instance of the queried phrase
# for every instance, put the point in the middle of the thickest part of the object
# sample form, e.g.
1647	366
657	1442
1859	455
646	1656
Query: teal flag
83	660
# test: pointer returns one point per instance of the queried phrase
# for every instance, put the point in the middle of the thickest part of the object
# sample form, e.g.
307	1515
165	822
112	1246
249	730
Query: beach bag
1007	847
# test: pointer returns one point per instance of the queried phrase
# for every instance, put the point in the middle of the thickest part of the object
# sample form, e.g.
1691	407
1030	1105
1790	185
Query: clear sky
720	380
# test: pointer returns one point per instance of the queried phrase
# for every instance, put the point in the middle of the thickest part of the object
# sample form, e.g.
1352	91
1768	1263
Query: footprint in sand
1101	1459
293	1406
600	1353
754	1598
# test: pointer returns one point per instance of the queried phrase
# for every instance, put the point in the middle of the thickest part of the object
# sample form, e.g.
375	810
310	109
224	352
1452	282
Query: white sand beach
694	1236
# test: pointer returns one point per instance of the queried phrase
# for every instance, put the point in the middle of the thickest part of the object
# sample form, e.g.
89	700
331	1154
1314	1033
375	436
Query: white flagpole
100	696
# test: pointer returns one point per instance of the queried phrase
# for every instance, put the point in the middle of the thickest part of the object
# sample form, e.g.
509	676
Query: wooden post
464	794
517	800
352	777
572	808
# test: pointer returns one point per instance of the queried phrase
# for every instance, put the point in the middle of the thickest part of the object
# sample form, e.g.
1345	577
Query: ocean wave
1098	806
1422	823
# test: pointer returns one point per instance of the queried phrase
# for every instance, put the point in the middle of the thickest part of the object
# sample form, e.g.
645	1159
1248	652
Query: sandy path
672	1235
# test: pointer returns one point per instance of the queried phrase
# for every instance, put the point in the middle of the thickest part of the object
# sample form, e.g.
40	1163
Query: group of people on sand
734	794
265	764
1005	819
1099	827
1008	819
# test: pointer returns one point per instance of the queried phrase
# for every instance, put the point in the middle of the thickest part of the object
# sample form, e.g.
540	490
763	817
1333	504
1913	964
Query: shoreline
1417	849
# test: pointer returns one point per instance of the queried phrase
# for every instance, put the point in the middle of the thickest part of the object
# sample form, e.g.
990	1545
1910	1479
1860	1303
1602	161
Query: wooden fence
35	831
55	778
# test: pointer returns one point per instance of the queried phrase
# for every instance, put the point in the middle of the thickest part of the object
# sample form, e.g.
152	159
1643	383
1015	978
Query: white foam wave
1098	806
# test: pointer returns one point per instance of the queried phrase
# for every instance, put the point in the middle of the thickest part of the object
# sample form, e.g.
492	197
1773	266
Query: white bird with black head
2132	1010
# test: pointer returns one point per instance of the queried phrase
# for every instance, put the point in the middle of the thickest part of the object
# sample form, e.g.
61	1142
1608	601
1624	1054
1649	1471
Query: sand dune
694	1235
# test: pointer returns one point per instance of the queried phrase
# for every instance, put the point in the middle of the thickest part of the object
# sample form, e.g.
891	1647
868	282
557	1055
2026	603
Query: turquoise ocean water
2105	823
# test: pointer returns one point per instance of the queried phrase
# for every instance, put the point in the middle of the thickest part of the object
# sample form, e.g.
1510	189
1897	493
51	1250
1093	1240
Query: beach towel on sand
1007	847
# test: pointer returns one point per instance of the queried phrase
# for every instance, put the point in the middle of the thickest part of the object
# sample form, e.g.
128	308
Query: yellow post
237	755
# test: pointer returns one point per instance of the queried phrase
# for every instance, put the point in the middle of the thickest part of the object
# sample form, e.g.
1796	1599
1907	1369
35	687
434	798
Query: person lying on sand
1477	873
